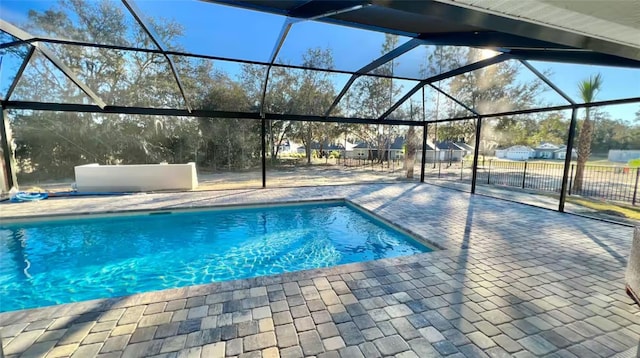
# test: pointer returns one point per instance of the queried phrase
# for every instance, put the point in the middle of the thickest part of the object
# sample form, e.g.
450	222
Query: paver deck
511	280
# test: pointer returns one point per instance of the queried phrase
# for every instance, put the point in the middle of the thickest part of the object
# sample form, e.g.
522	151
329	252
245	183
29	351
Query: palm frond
589	88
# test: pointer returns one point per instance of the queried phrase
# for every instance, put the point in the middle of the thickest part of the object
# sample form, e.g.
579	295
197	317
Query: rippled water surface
57	262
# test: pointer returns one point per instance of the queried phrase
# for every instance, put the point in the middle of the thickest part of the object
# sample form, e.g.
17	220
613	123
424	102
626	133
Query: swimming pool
66	260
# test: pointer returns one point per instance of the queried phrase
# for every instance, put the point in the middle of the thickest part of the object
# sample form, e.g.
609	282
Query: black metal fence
612	183
599	181
449	170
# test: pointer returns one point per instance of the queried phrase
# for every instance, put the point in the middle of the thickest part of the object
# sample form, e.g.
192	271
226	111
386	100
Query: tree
411	143
276	100
588	90
371	97
552	129
50	144
457	131
491	89
494	89
231	143
295	91
314	94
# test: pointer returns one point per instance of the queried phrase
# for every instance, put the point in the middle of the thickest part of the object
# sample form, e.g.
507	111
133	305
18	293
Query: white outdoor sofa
136	177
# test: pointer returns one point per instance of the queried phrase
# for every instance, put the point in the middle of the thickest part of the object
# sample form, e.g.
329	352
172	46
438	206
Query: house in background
359	151
430	153
393	151
561	153
326	147
287	146
552	151
449	151
396	150
516	152
545	151
466	148
444	151
363	151
623	156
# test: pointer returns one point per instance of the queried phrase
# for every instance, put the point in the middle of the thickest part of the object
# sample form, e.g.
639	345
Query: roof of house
447	145
547	146
398	143
326	146
464	146
518	148
563	148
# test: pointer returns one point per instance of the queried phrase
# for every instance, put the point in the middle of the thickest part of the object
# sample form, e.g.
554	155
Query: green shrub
293	155
634	163
335	154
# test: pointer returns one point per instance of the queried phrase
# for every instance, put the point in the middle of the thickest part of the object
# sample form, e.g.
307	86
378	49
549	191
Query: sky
237	33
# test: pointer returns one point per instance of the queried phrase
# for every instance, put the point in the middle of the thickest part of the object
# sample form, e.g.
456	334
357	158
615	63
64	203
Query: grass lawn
594	159
629	212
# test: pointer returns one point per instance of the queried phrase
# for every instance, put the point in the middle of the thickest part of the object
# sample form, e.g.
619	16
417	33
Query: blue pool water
60	261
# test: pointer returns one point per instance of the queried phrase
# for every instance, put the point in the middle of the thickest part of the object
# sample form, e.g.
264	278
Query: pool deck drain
513	281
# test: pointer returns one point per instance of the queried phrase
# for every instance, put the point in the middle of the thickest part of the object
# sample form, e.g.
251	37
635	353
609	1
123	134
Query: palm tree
588	90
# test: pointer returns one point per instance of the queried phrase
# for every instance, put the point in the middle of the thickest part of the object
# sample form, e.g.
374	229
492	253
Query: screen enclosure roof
270	34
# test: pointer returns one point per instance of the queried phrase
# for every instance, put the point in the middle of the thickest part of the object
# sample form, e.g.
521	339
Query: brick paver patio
511	280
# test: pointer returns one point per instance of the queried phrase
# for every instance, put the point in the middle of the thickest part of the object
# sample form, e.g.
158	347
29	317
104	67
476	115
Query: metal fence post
424	144
439	169
263	134
489	172
635	188
524	174
461	168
